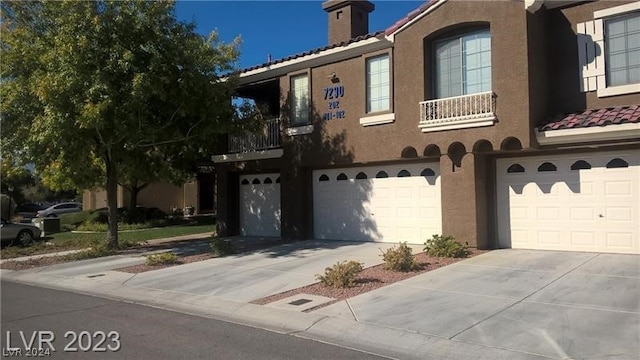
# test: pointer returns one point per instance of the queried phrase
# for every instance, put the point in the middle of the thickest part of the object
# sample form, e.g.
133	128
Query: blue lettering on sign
331	93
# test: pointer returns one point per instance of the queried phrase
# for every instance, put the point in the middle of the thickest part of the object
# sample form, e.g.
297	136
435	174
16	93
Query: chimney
347	19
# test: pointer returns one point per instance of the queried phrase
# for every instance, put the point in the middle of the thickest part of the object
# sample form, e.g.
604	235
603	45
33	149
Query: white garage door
260	205
378	203
581	202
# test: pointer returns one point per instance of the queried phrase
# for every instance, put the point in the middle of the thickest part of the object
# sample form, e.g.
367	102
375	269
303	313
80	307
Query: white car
61	208
18	234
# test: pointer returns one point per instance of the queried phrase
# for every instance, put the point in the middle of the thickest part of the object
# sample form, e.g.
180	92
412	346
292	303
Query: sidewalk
492	306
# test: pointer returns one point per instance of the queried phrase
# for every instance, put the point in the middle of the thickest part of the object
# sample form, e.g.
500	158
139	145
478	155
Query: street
56	324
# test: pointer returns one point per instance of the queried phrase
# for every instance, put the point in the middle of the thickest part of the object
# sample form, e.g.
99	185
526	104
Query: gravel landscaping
369	279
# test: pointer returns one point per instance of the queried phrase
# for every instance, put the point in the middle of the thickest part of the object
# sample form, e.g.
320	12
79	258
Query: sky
279	28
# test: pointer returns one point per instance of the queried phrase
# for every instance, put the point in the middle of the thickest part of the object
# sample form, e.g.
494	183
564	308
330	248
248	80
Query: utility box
48	225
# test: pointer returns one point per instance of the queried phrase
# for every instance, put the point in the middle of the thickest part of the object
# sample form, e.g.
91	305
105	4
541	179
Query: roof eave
313	60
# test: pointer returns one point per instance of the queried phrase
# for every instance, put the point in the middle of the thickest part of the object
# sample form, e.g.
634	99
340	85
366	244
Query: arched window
515	168
278	180
580	165
361	176
617	163
256	181
323	177
404	173
268	181
547	166
245	182
342	176
428	172
382	174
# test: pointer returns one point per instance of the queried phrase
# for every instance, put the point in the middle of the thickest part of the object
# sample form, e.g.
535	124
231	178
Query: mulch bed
33	263
369	279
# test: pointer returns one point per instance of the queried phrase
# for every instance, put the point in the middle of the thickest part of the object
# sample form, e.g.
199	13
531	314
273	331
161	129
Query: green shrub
342	274
399	258
222	247
164	258
445	246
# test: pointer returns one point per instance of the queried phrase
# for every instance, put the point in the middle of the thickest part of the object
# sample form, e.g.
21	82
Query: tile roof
412	15
596	117
378	34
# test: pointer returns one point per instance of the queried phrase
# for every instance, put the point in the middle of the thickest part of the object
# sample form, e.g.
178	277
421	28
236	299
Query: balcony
458	112
264	144
269	138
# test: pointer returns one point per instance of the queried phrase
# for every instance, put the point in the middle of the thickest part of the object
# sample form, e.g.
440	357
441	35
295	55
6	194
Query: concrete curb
375	339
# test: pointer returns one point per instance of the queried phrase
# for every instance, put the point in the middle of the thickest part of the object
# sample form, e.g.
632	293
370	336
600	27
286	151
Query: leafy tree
15	179
91	89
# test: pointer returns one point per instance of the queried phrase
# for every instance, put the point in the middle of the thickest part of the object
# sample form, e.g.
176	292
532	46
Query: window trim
600	17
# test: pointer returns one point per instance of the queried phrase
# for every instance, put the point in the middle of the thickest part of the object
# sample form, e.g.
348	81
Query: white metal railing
469	110
269	138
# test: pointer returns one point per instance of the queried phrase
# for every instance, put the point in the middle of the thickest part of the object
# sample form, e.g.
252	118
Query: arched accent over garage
511	143
456	152
409	153
482	146
432	150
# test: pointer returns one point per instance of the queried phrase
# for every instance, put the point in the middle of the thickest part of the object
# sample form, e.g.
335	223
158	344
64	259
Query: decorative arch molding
482	146
409	153
456	152
432	150
511	144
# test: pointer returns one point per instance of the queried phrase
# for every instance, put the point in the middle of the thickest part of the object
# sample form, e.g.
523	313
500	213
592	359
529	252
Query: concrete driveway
554	304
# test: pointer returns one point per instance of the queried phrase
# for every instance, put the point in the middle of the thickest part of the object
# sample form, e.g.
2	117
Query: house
507	124
198	194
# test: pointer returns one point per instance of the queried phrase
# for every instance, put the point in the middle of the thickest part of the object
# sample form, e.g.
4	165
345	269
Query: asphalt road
99	328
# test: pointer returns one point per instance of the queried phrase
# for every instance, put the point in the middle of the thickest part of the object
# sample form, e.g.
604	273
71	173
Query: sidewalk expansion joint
353	312
524	298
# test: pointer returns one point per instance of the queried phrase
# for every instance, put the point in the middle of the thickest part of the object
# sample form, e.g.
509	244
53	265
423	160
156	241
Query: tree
15	179
91	90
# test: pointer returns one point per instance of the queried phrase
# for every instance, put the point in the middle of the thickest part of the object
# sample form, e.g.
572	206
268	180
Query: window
515	168
580	165
404	173
428	172
463	64
268	181
378	83
382	174
617	163
622	38
547	166
361	176
609	51
256	181
342	176
323	177
300	99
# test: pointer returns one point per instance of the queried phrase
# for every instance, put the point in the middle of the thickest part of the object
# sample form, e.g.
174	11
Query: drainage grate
300	302
96	275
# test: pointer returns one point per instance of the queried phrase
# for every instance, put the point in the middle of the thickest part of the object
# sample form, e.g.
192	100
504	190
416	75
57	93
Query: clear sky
279	28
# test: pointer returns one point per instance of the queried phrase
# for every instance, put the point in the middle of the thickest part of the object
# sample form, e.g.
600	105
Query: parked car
18	234
61	208
28	210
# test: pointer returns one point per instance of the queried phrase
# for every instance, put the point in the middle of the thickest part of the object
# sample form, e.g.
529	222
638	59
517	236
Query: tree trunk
134	191
112	206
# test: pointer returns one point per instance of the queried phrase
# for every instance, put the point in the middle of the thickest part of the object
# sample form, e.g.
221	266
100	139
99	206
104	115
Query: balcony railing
458	112
269	138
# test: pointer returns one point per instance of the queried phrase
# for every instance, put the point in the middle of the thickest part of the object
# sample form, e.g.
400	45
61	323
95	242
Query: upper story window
622	38
463	64
378	84
300	99
609	51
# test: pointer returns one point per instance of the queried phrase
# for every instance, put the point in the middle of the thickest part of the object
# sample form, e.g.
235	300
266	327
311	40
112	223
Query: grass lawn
71	241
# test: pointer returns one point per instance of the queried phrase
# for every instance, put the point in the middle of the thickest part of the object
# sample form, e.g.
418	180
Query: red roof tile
400	23
597	117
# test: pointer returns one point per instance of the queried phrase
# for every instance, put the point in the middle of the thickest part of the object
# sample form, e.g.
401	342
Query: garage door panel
595	209
260	213
389	209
